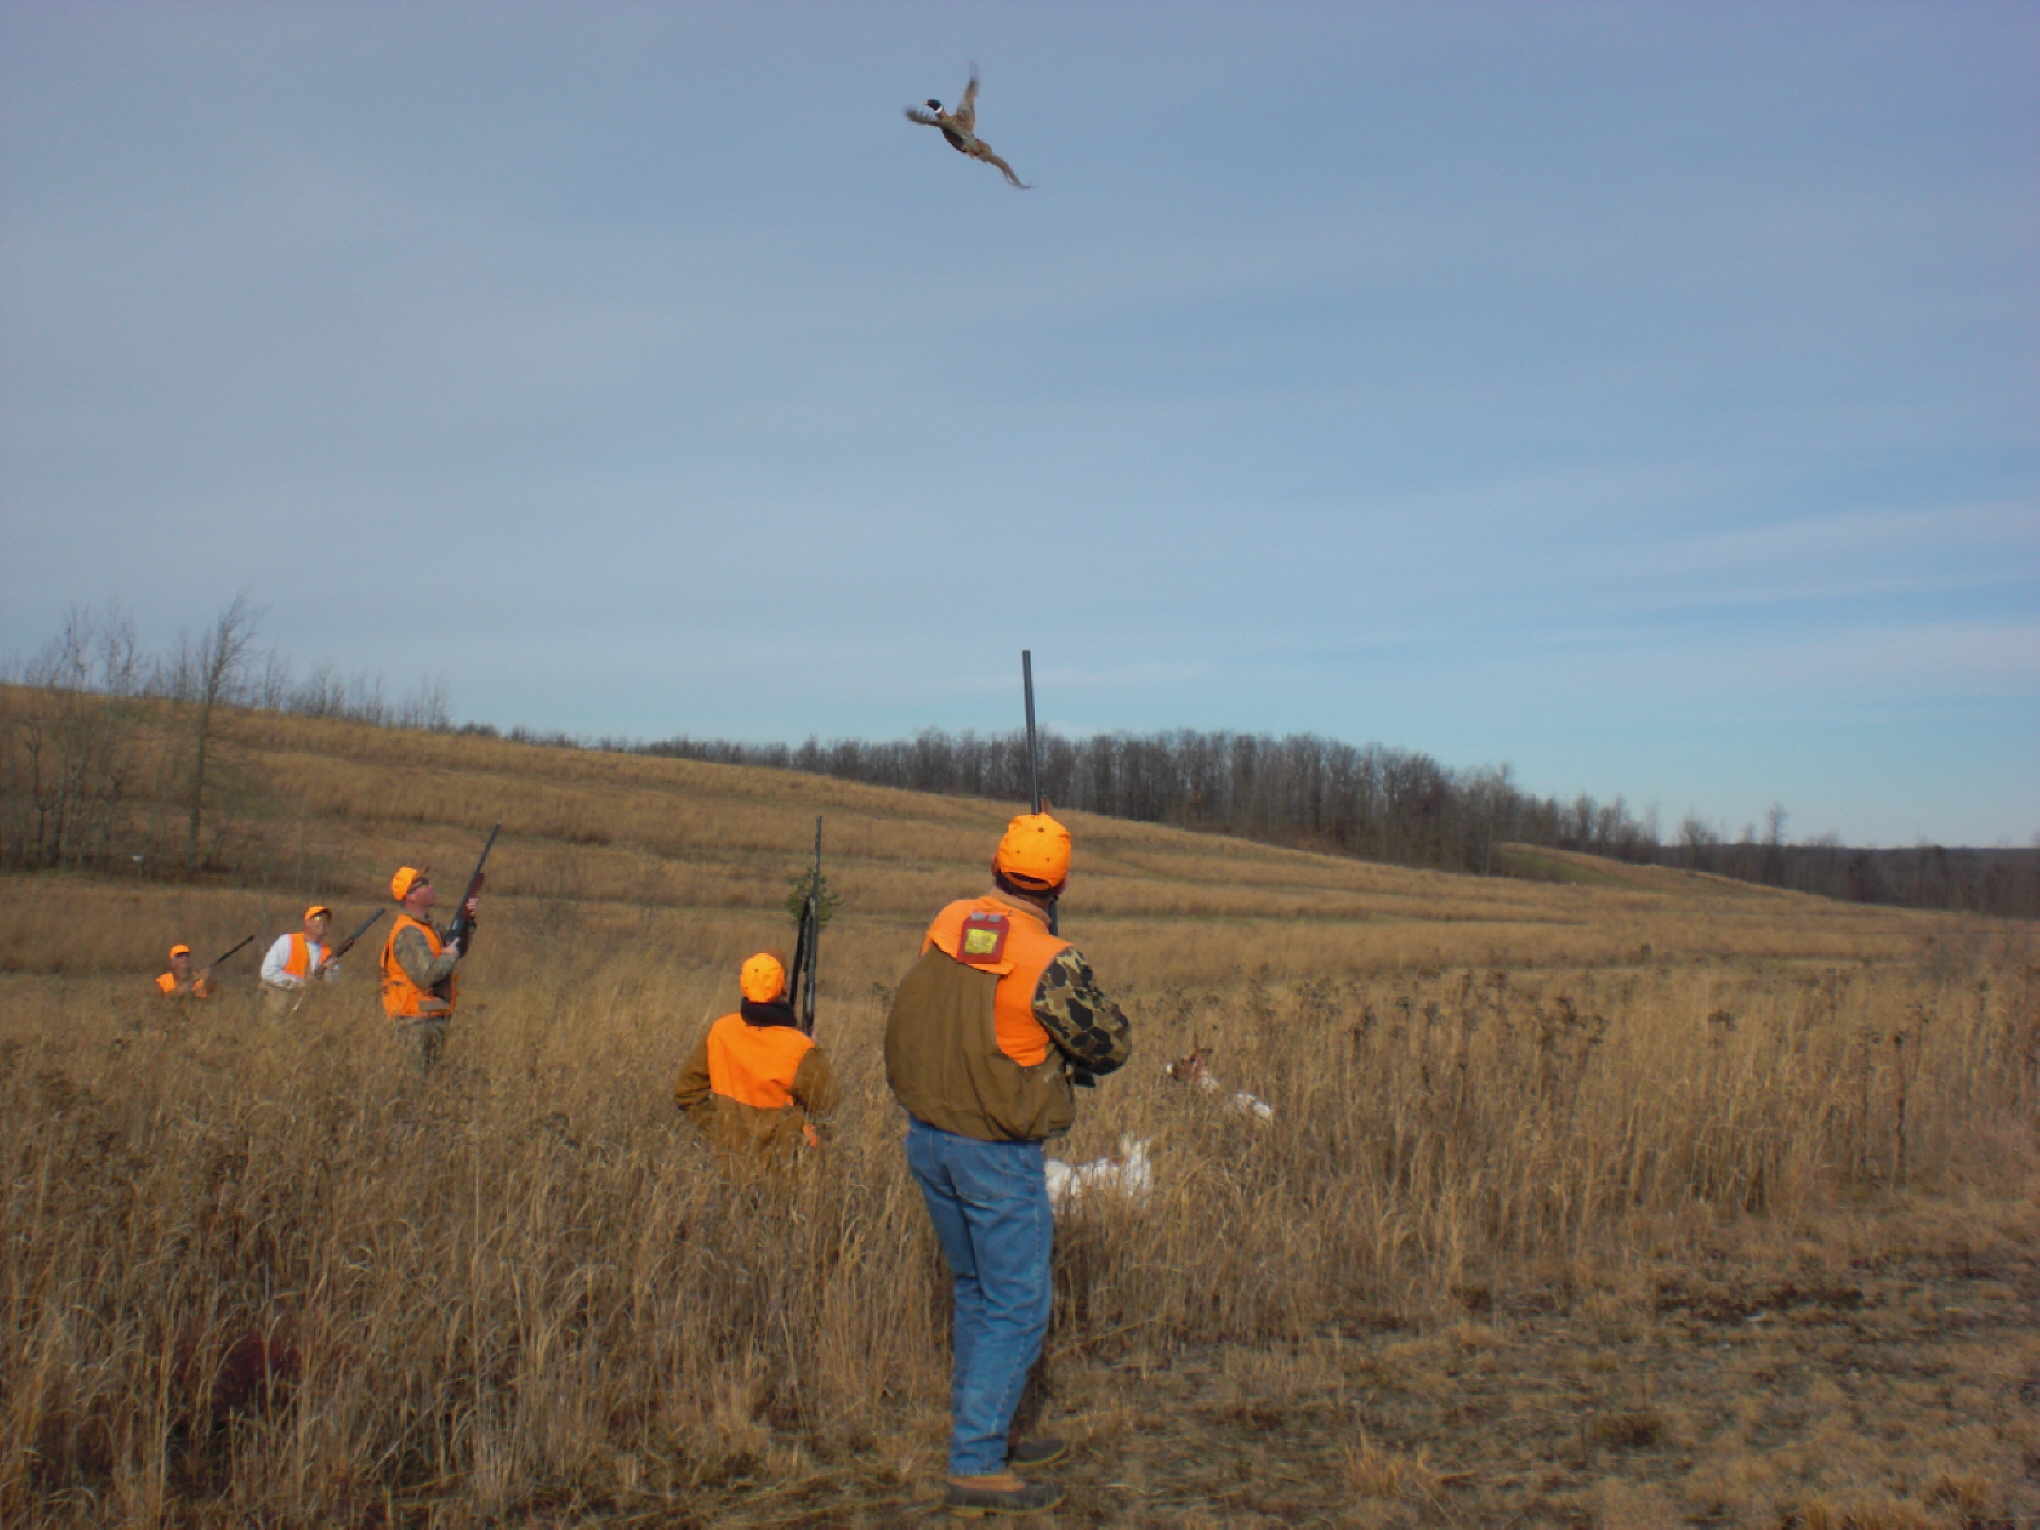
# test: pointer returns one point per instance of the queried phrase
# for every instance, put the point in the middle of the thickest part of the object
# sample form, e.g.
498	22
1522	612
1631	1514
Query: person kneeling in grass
755	1083
180	982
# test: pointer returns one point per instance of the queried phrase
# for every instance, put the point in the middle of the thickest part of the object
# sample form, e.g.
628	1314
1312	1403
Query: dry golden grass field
1635	1200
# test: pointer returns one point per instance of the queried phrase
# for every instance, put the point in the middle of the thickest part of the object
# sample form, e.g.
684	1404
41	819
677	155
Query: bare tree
1697	841
1774	846
272	684
427	706
67	754
209	672
1493	797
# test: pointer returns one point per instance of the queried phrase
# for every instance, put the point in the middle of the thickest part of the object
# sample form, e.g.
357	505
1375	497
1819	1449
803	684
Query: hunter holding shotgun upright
756	1084
989	1030
419	987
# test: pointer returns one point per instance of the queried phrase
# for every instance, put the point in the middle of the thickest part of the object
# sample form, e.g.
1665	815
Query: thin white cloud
1996	531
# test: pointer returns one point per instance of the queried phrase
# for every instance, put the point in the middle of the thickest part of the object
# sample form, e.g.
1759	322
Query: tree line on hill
1375	803
75	773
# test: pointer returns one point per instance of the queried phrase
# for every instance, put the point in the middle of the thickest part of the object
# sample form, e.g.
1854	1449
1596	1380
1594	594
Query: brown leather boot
1036	1452
999	1493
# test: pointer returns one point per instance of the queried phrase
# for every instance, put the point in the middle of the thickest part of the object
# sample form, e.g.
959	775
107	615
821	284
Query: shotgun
1083	1078
462	926
1034	760
348	944
227	953
800	981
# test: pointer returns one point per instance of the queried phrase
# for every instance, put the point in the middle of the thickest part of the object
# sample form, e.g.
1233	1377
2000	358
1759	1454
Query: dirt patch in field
1893	1396
1898	1392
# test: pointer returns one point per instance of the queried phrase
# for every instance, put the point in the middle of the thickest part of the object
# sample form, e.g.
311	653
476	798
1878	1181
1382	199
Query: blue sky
1640	395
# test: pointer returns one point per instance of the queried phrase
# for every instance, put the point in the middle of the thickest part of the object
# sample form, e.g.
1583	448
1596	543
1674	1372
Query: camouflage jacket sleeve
417	960
1086	1027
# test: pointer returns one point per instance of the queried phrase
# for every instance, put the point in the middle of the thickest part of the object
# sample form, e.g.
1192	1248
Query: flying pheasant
960	128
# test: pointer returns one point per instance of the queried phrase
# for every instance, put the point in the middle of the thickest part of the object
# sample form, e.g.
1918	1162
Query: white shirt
272	964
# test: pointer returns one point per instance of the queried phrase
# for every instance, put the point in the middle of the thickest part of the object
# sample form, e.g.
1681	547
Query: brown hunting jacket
943	1056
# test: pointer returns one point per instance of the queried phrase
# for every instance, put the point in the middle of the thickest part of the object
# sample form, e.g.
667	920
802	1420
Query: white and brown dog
1196	1071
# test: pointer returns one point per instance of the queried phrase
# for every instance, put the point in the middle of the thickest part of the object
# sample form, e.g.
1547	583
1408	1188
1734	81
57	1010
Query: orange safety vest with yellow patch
755	1064
994	936
403	999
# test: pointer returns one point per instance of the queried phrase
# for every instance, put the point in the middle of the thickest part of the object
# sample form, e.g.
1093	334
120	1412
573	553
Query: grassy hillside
1604	1201
326	810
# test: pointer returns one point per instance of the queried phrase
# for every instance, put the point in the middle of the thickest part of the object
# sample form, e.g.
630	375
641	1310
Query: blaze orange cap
406	878
1035	852
762	978
317	909
177	951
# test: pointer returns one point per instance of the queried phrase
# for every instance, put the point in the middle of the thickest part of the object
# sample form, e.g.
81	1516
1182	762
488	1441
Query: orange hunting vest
755	1064
166	982
996	936
402	998
299	962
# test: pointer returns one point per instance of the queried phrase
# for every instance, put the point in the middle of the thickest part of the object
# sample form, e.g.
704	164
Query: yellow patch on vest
983	939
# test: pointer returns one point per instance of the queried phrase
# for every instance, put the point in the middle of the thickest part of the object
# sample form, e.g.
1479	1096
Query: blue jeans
989	1204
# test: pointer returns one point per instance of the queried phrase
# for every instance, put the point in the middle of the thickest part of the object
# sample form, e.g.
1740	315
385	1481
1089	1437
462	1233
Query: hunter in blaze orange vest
404	997
988	1033
295	961
998	1018
417	961
180	982
755	1082
1011	941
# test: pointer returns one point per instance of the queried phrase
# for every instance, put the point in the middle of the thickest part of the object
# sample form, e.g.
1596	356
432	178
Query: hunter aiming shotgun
461	927
800	979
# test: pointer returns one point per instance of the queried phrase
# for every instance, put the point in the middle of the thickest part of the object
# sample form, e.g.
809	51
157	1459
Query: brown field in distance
1636	1199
